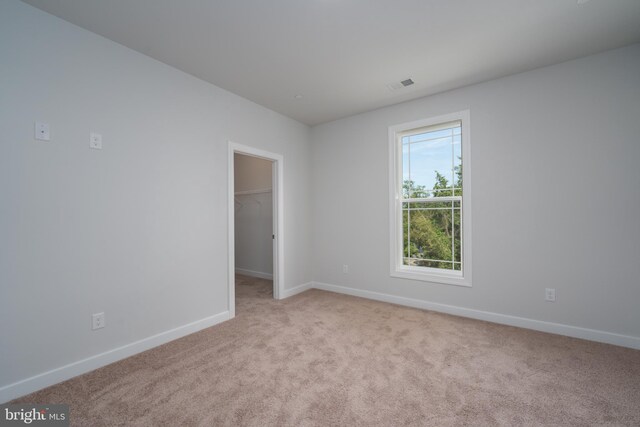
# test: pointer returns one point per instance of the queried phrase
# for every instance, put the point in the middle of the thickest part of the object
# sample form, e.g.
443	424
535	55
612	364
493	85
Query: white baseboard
258	274
522	322
54	376
294	291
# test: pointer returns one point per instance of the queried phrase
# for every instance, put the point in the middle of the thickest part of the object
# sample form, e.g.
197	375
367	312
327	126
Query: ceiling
339	56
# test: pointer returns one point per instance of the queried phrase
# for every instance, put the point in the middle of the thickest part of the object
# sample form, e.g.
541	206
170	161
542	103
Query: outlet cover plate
42	131
97	321
95	141
550	294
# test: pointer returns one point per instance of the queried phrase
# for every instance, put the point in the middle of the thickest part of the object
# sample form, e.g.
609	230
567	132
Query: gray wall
556	195
137	230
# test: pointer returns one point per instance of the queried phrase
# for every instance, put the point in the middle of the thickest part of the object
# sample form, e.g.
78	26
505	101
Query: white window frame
428	274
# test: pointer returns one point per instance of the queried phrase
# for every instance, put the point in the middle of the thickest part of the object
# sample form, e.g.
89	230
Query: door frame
277	182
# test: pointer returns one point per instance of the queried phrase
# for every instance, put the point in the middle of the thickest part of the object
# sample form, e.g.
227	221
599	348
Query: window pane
430	162
431	234
457	164
406	174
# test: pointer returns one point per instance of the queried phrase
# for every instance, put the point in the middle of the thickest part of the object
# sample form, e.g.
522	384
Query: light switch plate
95	141
42	131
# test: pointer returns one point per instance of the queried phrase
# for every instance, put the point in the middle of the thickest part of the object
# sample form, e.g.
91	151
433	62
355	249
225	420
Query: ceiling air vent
393	87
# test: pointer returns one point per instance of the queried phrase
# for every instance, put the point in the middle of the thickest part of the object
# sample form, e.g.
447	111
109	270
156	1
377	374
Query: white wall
556	196
137	230
253	216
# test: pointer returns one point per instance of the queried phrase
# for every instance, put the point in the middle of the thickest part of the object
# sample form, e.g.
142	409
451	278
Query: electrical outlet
95	141
345	268
550	294
98	321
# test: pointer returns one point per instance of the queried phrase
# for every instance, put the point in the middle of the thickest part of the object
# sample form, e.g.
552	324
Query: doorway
253	200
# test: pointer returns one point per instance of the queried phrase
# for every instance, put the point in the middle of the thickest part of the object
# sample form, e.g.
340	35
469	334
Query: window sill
432	277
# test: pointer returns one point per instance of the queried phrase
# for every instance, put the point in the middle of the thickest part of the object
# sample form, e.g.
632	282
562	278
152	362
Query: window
430	200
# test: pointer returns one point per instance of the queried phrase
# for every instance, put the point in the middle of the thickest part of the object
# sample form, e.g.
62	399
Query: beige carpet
321	358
